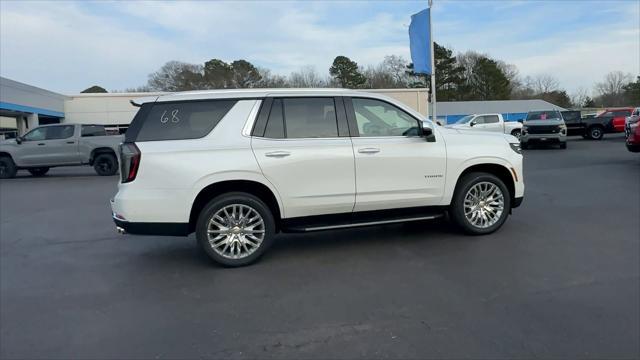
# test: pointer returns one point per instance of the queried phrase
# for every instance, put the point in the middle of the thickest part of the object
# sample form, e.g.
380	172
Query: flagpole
433	67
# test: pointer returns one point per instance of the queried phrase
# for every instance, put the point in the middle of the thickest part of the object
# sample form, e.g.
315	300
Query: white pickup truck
488	122
49	146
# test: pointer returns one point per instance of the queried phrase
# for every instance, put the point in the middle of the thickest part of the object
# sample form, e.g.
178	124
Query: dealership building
23	107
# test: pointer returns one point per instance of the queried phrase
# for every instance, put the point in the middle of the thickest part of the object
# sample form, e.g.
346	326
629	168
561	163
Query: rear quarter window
177	121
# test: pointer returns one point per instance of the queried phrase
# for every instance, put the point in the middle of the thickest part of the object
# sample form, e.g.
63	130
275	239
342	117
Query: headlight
516	147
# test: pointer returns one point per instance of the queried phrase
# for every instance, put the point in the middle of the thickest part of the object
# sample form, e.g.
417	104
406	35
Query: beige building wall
8	122
116	109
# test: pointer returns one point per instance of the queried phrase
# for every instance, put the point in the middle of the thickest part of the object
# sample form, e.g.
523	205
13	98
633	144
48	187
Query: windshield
543	115
465	119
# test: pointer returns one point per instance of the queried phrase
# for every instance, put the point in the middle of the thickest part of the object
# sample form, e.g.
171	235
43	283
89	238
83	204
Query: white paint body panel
318	177
501	126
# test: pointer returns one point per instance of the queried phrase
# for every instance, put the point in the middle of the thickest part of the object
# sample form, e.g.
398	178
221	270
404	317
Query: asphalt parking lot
560	279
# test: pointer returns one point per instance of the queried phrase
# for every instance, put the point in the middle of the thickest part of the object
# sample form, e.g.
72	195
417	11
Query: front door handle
40	144
370	150
71	142
278	154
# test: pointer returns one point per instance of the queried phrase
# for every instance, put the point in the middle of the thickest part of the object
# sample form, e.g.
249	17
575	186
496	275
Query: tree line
463	77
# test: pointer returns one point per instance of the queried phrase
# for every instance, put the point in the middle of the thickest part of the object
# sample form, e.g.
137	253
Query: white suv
238	166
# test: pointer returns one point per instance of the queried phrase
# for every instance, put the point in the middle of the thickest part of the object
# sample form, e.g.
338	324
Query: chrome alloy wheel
483	204
235	231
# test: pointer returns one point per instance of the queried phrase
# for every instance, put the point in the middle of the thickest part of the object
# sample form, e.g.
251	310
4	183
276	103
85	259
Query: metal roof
493	106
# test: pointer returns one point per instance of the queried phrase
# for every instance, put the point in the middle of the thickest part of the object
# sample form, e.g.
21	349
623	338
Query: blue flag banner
420	41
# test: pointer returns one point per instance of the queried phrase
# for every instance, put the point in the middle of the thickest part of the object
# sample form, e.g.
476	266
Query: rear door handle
278	154
370	150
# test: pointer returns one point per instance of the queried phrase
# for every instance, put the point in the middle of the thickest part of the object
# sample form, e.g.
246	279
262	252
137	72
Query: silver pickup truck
49	146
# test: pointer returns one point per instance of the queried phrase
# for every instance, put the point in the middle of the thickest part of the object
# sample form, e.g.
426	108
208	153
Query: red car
618	116
632	131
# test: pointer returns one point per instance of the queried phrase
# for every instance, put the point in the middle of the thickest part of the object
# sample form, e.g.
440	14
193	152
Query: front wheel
7	168
41	171
480	204
524	146
235	229
105	164
516	133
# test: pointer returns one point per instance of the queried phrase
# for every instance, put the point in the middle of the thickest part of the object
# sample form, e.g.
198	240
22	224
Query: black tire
524	146
595	133
41	171
456	209
219	203
516	133
563	145
8	168
105	164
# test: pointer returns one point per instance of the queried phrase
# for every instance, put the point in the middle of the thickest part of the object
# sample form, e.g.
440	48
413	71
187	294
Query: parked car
592	128
616	117
50	146
236	167
546	127
488	122
632	131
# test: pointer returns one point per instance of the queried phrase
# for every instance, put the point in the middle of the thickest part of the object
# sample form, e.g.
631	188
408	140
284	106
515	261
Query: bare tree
580	97
306	77
270	80
396	66
379	77
613	83
545	83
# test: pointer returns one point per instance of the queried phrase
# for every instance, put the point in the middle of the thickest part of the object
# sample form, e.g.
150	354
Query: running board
345	221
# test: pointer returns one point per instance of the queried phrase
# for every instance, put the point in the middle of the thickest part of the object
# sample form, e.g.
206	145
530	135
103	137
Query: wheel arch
253	187
101	150
502	171
6	154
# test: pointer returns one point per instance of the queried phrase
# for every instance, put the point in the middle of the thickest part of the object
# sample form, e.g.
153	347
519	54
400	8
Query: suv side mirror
427	133
472	123
19	140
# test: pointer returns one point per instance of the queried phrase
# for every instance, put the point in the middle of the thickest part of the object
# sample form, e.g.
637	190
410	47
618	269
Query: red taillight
130	161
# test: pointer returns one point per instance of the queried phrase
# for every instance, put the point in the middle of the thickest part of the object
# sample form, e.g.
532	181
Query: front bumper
543	138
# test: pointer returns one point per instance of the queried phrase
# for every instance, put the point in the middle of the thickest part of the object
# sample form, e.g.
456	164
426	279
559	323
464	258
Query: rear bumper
158	229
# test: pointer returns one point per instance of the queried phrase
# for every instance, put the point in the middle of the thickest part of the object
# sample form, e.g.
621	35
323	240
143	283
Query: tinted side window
478	120
92	130
185	120
275	123
378	118
310	118
59	132
621	113
491	119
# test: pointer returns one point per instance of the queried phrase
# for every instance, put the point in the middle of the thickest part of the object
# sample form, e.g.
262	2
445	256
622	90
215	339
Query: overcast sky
68	46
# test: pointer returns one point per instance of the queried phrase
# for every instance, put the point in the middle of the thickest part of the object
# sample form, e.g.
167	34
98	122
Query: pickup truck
50	146
488	122
592	128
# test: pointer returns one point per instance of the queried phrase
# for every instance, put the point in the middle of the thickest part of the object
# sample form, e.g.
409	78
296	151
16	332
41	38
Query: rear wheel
105	164
480	204
595	133
7	168
235	229
38	171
